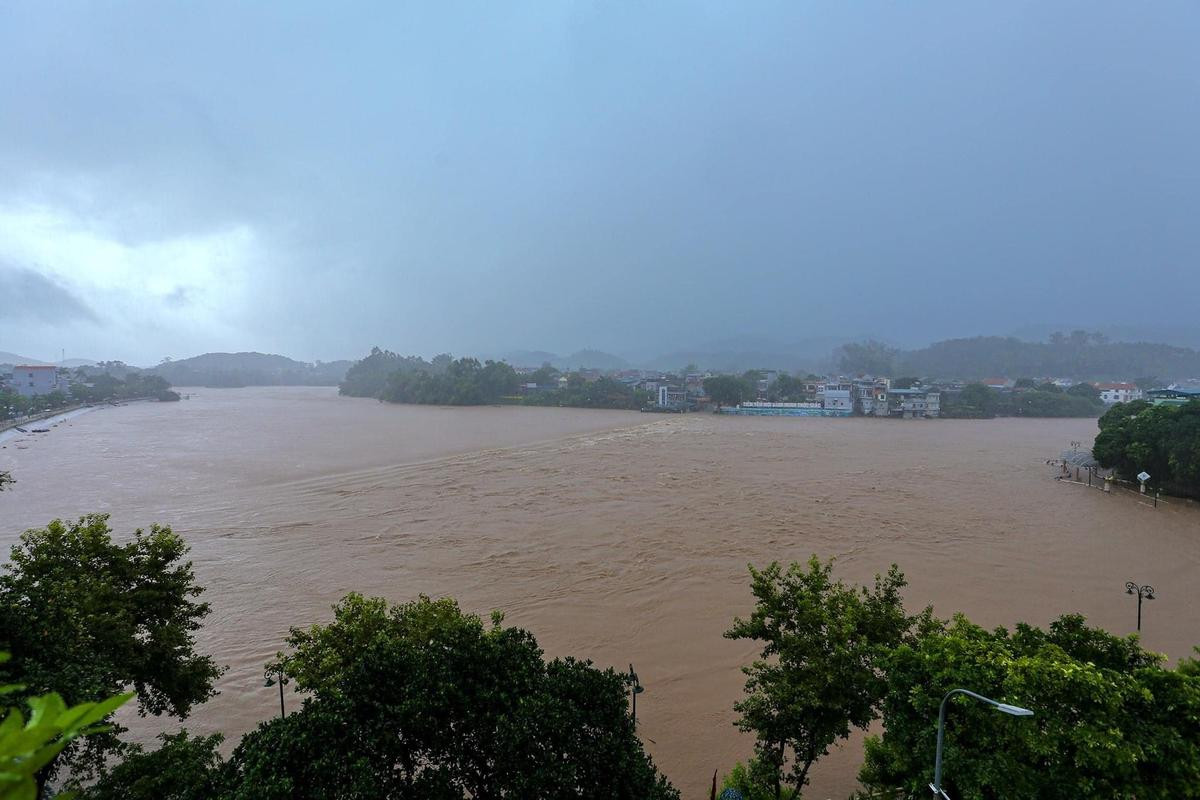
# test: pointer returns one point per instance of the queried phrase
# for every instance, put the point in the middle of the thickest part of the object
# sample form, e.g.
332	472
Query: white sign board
1143	476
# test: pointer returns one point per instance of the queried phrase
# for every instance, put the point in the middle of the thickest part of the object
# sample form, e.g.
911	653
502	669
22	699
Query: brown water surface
613	536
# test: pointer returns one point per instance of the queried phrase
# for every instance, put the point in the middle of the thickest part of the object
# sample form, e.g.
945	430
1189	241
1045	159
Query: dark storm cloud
629	177
29	296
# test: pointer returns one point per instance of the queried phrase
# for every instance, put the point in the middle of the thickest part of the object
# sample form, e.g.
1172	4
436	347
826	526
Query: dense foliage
977	401
86	617
97	387
445	380
15	405
1081	355
184	767
429	702
1109	721
600	393
1161	440
819	672
368	377
27	746
729	390
787	389
463	382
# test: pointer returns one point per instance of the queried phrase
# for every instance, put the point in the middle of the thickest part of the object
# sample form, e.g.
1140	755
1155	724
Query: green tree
87	617
1085	390
1162	440
1024	383
6	480
1109	721
422	700
728	390
183	768
819	671
27	746
975	401
905	382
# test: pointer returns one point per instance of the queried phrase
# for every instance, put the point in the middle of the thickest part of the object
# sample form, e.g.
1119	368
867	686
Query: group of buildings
844	397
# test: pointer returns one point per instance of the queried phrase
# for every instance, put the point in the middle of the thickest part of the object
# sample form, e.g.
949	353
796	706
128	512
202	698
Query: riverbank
8	428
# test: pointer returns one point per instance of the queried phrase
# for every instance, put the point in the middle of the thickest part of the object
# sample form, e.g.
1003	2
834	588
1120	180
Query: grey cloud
627	176
29	296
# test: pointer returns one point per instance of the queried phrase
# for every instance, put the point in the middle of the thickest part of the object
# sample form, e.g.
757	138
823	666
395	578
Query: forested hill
1078	355
1081	356
251	369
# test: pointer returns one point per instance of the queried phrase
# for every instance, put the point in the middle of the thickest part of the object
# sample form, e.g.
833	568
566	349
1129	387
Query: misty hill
588	359
526	358
1078	355
250	369
9	359
750	352
592	359
12	358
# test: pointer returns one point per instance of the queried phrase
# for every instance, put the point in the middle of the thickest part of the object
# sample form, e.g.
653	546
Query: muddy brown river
614	536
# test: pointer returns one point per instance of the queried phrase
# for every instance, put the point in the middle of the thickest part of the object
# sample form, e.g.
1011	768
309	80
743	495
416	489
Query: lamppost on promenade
1016	711
276	676
636	688
1142	592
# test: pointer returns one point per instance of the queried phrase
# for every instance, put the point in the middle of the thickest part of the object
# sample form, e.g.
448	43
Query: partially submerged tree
86	617
819	672
422	700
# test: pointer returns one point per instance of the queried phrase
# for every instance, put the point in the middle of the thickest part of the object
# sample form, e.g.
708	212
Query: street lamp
1146	592
276	676
635	689
1016	711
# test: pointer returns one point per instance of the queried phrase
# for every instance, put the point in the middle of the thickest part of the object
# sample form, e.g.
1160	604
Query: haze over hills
11	359
250	369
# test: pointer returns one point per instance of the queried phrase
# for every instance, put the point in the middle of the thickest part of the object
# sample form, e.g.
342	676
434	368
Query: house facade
29	380
1118	392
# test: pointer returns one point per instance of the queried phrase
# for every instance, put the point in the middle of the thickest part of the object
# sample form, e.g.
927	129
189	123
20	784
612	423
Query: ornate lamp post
1143	592
1016	711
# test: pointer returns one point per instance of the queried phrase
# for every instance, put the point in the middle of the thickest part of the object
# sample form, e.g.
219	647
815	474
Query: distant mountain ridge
12	359
586	358
250	369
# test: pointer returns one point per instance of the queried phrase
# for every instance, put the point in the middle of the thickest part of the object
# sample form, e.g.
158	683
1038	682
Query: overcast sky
313	179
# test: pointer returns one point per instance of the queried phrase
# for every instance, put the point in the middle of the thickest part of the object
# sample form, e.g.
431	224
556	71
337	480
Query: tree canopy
423	700
818	674
1109	721
728	390
1161	440
86	617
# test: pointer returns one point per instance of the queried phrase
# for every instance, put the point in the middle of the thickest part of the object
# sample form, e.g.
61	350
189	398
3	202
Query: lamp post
1146	592
1016	711
635	689
275	676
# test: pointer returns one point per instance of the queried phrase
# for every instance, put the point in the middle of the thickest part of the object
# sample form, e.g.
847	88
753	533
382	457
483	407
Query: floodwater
614	536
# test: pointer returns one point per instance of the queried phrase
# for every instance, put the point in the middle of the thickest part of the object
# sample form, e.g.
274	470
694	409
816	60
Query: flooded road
613	536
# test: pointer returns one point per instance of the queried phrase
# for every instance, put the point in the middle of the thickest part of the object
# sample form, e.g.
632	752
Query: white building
837	396
1118	392
29	380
